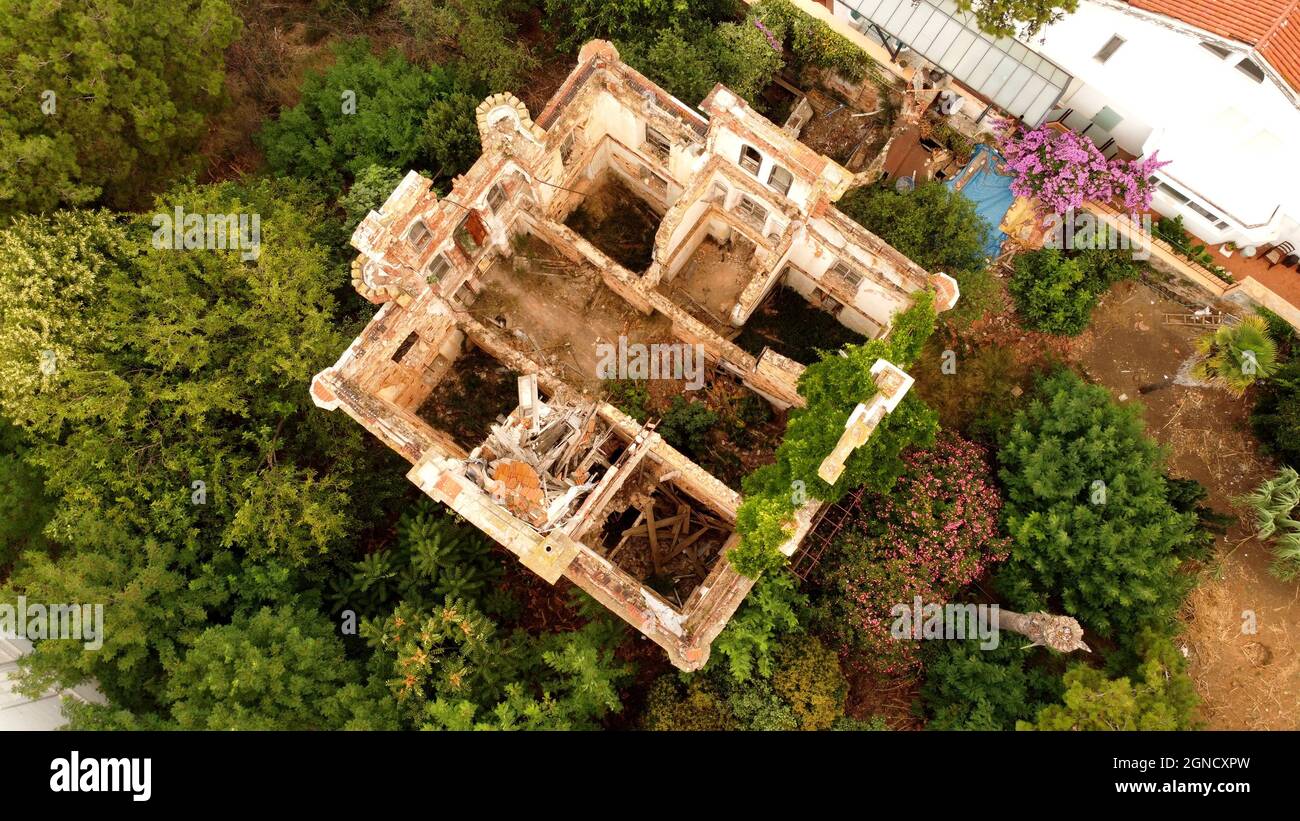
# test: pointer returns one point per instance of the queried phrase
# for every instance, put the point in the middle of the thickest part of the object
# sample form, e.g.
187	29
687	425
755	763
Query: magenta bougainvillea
933	534
1063	170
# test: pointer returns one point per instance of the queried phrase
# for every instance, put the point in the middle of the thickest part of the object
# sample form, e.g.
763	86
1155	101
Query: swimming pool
989	190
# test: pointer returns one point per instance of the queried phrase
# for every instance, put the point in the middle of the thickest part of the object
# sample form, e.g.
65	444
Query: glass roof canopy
1000	69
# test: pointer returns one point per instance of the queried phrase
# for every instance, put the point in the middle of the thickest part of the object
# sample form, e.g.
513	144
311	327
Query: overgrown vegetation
1275	503
367	110
105	100
937	228
833	386
930	536
1056	292
1093	531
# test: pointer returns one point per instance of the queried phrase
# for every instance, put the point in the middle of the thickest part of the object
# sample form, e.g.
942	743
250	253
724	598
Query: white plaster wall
1234	143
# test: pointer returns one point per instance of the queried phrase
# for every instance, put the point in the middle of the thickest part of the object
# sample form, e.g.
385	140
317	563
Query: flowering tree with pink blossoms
933	534
1062	170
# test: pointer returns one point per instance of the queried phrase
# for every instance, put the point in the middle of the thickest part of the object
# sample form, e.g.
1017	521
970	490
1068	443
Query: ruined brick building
565	481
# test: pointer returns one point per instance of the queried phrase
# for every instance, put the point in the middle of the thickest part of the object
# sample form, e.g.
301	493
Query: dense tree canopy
102	98
1088	512
1158	696
190	474
367	110
935	227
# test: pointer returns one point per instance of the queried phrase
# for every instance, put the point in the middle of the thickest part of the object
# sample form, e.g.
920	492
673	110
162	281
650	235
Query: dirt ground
709	285
1246	680
564	310
852	132
474	393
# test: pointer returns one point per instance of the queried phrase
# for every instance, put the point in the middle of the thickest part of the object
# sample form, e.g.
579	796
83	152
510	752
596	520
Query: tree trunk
1060	633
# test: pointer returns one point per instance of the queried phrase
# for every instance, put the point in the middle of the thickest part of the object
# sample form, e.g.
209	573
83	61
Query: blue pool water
991	193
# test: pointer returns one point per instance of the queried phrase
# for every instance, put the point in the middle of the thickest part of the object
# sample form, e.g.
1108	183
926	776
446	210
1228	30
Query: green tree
1276	416
808	677
935	227
1088	512
693	706
279	669
1159	696
481	31
367	110
368	192
24	507
968	687
1009	18
688	60
103	98
811	42
577	21
1053	294
1236	356
191	476
448	667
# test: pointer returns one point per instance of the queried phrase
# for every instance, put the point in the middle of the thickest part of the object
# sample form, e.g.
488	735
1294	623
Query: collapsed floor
617	222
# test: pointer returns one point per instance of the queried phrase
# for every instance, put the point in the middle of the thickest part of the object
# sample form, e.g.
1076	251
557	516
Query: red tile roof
1271	26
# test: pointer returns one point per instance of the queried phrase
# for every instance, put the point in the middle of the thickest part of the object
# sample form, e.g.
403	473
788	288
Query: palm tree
1274	502
1236	355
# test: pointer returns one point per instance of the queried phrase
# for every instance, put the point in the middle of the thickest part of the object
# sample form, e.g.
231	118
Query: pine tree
1088	512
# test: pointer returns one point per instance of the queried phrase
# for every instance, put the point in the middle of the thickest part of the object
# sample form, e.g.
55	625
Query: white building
1210	84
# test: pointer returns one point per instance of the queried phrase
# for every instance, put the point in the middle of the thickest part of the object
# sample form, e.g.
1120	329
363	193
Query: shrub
685	425
1063	170
1276	417
932	535
1088	512
750	637
1057	294
695	706
1160	696
971	688
808	677
1053	293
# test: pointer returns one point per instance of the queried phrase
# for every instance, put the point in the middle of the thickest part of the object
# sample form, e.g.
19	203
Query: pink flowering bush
1063	170
933	534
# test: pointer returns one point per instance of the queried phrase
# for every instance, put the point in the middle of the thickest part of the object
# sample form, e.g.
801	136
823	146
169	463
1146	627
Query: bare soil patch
1247	680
